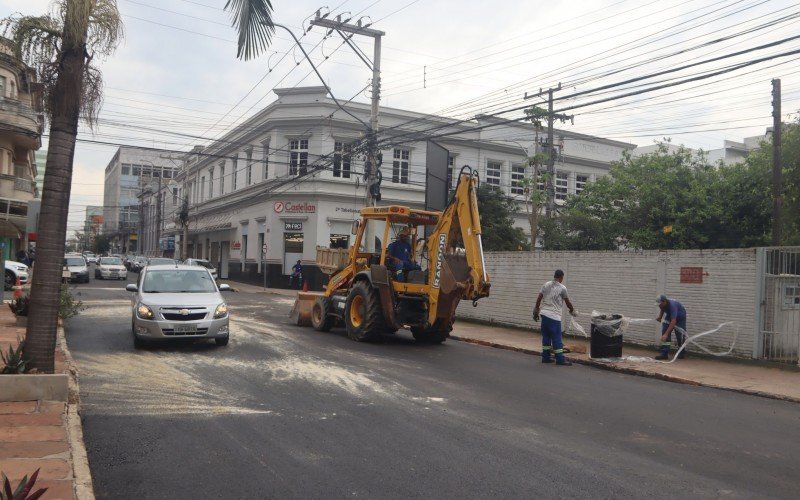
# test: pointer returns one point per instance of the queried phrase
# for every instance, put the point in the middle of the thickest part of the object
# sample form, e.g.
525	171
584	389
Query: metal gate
778	312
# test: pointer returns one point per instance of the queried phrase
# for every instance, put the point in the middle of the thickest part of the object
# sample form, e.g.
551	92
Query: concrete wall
628	283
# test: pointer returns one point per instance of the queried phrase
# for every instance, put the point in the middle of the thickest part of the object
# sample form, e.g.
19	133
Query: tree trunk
533	219
65	105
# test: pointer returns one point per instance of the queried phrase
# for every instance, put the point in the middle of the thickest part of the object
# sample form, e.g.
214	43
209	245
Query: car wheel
222	342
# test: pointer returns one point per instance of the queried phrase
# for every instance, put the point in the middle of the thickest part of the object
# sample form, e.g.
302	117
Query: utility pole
372	165
777	166
158	216
551	157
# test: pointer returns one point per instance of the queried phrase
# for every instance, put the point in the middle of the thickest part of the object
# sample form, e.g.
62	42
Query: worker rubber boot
560	359
546	349
664	353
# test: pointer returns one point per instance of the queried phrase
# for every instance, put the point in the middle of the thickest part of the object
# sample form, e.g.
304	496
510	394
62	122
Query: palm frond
253	20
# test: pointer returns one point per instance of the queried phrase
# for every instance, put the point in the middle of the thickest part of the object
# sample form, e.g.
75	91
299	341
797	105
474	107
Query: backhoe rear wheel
319	314
363	316
436	334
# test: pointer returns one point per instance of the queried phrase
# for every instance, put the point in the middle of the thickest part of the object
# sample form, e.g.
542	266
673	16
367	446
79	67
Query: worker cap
661	298
404	232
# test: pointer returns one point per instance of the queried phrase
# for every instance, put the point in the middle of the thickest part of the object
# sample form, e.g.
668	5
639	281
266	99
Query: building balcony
21	120
16	188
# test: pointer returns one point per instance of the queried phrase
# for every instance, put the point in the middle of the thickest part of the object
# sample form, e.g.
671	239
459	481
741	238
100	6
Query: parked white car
13	271
110	268
77	267
204	263
90	258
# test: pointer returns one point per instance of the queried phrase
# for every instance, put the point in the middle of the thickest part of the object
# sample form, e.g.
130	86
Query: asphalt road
284	411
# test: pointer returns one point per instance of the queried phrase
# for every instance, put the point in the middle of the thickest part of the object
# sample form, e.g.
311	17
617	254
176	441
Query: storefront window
292	250
340	240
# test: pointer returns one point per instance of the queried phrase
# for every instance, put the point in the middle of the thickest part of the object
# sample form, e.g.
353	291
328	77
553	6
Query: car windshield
111	261
178	281
74	261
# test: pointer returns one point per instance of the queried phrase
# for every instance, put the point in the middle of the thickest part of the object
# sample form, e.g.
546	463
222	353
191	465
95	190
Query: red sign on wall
692	275
236	245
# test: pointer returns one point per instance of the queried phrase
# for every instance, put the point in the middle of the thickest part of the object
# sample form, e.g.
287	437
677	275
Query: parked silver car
178	301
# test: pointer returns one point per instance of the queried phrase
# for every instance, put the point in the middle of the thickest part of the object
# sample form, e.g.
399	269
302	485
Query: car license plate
185	328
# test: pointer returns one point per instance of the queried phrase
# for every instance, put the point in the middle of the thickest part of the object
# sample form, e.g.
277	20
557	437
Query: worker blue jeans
551	339
680	335
400	268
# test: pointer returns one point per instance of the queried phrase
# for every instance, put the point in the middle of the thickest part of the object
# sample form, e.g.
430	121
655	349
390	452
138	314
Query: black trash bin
606	339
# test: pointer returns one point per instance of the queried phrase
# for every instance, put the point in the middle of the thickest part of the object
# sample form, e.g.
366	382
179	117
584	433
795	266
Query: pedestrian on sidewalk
674	320
550	303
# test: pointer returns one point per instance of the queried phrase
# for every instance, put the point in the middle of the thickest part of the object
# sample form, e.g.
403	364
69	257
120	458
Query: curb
630	371
82	476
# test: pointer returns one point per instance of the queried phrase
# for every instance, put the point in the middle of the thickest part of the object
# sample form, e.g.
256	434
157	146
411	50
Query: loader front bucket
300	314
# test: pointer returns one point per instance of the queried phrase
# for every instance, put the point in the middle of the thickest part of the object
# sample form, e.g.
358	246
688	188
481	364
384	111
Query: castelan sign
288	207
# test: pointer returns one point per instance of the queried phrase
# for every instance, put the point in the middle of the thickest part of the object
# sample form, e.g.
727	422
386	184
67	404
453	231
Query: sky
176	71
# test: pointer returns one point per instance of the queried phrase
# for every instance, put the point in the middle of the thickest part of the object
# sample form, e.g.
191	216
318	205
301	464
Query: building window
298	157
517	178
244	247
210	183
400	166
249	156
340	241
493	172
580	183
126	169
202	186
174	197
167	173
562	185
137	170
2	86
265	159
451	161
222	178
341	159
791	297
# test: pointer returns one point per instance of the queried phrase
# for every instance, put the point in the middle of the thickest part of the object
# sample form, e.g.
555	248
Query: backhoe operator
400	256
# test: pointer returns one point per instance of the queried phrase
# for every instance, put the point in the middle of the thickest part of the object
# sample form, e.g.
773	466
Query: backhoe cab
377	293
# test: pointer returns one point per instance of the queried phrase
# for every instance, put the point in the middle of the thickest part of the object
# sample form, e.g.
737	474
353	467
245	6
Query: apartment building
288	179
130	170
21	123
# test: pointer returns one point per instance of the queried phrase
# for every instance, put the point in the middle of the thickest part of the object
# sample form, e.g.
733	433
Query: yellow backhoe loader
374	292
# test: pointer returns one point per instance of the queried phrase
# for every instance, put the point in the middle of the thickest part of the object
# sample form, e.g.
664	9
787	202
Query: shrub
20	306
68	306
23	491
12	361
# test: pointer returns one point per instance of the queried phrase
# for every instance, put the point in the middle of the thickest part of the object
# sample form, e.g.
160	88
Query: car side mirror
224	288
132	288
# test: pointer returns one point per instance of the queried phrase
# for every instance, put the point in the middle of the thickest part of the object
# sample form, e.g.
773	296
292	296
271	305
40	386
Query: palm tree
62	47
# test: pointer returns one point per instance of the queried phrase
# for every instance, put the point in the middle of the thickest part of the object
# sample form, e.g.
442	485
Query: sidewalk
732	374
43	435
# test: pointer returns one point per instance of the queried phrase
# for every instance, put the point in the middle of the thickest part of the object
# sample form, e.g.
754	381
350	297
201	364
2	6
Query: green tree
666	200
497	223
101	244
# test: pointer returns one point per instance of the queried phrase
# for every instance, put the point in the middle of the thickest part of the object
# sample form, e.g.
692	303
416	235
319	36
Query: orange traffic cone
305	286
18	289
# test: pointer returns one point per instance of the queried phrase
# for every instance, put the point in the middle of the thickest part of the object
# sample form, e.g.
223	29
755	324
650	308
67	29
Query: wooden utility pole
777	196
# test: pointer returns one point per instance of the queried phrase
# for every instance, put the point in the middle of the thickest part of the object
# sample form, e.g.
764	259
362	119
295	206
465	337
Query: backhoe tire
363	317
319	314
436	334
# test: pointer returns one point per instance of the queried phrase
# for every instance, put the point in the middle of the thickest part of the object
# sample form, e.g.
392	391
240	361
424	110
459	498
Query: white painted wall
628	283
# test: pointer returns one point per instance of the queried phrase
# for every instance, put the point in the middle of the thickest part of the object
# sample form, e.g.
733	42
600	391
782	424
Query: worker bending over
675	317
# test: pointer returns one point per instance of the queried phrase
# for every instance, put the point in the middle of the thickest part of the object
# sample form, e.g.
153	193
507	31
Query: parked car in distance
13	271
138	263
180	301
110	268
77	267
204	263
90	258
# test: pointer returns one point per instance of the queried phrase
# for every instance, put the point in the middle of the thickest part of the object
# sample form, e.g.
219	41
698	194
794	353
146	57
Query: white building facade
286	181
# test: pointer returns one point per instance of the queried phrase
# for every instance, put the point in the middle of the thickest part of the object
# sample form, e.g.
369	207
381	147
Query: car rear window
178	281
74	261
111	261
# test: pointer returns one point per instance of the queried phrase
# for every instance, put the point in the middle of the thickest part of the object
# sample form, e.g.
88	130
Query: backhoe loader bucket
300	314
455	273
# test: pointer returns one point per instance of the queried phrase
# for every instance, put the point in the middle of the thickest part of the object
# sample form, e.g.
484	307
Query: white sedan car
110	268
13	271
